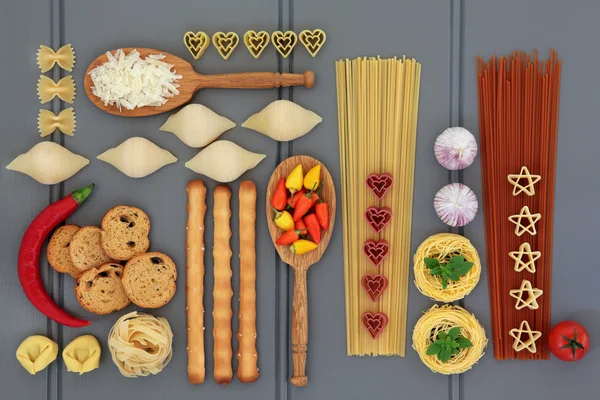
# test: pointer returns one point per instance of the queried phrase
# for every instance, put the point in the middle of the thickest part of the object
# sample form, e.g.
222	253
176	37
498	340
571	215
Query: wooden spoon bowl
192	81
301	262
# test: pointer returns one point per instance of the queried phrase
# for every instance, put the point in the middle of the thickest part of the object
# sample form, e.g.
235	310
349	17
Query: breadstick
194	284
247	355
222	292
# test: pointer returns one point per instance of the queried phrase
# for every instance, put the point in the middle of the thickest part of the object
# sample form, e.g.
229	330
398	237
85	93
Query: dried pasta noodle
377	116
140	344
442	319
444	246
518	123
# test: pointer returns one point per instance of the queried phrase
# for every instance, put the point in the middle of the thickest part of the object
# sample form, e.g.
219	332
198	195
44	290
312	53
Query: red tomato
569	341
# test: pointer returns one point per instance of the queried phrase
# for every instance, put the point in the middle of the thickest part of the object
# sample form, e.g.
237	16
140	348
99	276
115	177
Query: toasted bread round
85	249
57	251
149	279
125	232
100	291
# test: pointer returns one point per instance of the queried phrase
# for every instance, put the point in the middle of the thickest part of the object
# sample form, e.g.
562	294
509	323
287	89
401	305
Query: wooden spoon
300	263
193	81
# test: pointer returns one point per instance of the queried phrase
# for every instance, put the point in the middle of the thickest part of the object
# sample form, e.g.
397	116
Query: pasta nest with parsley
442	319
444	246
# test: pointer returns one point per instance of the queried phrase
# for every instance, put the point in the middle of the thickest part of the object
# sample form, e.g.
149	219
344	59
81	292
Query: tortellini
224	161
48	163
283	120
137	157
36	352
197	125
82	354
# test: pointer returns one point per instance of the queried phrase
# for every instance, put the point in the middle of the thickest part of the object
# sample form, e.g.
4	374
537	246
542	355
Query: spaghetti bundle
441	319
444	246
377	116
518	122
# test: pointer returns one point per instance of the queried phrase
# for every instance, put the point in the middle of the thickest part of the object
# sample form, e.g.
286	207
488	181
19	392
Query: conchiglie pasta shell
283	120
197	125
137	157
224	161
48	163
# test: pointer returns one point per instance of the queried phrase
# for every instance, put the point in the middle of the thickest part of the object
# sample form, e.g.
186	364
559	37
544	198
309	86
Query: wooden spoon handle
299	328
256	80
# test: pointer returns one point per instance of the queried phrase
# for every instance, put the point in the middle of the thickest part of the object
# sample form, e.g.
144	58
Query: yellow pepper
312	178
284	220
294	179
302	246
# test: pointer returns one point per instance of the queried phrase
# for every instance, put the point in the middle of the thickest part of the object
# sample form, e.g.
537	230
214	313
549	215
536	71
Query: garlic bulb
197	125
224	161
455	148
283	120
456	204
48	163
137	157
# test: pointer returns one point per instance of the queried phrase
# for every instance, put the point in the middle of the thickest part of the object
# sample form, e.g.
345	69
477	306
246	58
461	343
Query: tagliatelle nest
444	246
442	319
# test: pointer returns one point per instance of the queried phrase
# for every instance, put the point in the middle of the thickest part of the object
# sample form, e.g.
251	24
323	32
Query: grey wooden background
445	36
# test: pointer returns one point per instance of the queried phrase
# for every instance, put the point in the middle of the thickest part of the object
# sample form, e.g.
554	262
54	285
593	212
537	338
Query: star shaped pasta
528	189
526	215
525	250
532	295
529	344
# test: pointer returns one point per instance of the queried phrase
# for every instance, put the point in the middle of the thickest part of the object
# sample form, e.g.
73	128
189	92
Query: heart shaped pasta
196	43
48	163
374	322
313	40
378	218
225	43
375	285
224	161
379	184
376	251
284	42
256	42
137	157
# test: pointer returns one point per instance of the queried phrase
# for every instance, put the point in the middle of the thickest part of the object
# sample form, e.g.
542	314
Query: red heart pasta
379	184
375	285
374	322
378	218
376	251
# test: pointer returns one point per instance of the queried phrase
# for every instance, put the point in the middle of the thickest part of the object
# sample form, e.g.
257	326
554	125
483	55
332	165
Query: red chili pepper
296	196
289	237
29	256
322	211
304	204
280	197
314	229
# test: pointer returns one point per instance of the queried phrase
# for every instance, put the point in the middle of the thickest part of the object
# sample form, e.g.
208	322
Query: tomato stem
572	343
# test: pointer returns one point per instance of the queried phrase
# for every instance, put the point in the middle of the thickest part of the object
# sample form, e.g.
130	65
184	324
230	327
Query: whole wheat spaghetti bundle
444	246
442	319
377	117
518	123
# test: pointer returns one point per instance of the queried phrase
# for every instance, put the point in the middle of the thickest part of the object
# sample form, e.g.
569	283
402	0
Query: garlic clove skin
455	148
137	157
456	204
